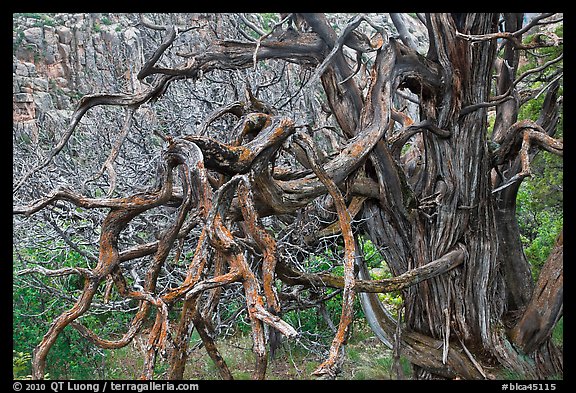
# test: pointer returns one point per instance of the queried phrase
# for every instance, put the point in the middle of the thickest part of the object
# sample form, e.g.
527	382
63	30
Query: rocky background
58	58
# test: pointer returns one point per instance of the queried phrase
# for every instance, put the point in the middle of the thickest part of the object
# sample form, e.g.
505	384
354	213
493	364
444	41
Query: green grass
366	358
558	333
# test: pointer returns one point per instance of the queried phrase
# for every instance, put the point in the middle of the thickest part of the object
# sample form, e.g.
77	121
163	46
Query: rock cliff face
57	58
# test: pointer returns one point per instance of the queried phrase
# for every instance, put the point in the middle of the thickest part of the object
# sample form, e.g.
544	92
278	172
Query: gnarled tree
320	145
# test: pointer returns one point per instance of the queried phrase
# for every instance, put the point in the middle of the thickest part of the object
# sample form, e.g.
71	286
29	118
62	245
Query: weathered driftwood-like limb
133	329
423	215
334	228
403	135
524	134
80	201
336	49
422	350
304	49
90	101
156	340
146	300
222	239
411	277
179	354
189	156
108	165
536	43
87	273
191	315
225	242
265	242
270	133
253	299
546	306
331	367
41	351
122	212
508	94
203	330
211	302
374	119
405	36
515	37
168	40
198	262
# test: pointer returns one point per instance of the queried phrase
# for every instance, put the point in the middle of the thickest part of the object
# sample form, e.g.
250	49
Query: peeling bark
429	193
546	306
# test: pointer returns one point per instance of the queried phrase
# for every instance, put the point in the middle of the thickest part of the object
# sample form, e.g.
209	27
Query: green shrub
21	365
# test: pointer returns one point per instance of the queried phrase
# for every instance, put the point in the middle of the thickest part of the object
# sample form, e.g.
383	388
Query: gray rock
25	69
39	84
43	101
34	35
64	34
23	97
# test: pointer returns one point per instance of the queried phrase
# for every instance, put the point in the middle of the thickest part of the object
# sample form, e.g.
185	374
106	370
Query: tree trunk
466	308
431	195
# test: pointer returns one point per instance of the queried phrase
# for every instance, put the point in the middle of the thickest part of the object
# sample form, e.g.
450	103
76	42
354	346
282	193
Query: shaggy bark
429	193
